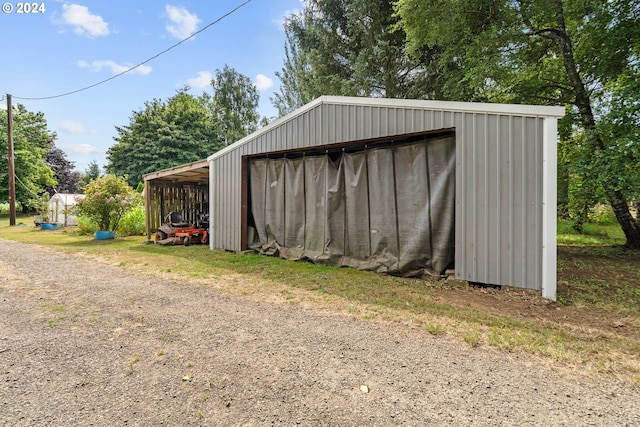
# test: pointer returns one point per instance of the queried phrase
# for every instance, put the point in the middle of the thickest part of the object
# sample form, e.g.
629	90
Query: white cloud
114	67
69	126
83	22
286	14
81	148
263	82
183	23
202	81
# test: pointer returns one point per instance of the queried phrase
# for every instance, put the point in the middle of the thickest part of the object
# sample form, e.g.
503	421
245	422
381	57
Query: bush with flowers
106	201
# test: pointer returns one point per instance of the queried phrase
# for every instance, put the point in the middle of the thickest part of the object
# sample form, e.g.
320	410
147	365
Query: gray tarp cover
388	209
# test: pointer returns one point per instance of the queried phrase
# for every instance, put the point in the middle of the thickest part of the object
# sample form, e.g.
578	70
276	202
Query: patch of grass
593	234
61	309
606	277
54	322
59	313
472	337
159	356
433	328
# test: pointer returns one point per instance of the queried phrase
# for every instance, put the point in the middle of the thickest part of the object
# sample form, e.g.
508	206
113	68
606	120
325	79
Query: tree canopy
162	135
581	53
338	47
32	140
68	180
184	128
235	104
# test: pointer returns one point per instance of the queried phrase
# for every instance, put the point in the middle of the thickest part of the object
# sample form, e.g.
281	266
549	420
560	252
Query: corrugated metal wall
498	180
499	199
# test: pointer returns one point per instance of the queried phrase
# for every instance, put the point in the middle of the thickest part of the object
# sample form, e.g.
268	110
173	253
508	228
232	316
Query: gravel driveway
84	343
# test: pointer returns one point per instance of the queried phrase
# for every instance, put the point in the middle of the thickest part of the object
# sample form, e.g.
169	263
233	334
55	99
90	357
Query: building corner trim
549	207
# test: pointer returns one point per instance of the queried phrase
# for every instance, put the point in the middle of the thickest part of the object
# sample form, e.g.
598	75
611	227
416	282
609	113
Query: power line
25	186
140	64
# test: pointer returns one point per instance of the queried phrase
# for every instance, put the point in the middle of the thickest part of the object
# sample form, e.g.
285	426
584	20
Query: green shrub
4	208
133	222
107	200
86	225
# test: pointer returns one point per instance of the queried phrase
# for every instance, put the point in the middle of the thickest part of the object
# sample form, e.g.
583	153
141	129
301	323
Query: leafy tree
620	127
164	134
235	104
31	141
185	128
582	53
68	179
351	47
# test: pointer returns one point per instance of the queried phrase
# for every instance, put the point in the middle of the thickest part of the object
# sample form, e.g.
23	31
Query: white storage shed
400	186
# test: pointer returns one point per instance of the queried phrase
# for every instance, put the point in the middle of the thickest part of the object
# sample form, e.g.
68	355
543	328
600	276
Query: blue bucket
105	235
48	226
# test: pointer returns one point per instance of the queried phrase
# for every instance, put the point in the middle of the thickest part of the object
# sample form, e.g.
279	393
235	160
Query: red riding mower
175	231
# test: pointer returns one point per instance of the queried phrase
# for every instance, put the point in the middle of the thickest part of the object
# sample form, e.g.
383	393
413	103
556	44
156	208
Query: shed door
388	209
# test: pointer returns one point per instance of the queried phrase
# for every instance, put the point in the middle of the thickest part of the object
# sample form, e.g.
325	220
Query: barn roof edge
470	107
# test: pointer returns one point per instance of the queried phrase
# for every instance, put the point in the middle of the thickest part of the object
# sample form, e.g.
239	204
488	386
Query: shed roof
190	173
67	199
470	107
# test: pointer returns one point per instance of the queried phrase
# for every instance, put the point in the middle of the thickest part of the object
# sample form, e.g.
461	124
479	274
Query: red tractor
175	231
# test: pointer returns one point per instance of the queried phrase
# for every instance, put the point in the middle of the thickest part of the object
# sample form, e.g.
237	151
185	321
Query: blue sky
72	45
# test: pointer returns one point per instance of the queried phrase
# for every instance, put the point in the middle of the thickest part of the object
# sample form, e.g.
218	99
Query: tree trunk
630	226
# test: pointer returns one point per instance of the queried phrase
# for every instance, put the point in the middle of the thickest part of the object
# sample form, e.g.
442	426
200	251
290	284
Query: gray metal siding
499	200
498	180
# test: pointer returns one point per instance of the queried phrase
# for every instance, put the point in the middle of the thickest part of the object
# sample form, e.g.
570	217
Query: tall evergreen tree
91	173
355	48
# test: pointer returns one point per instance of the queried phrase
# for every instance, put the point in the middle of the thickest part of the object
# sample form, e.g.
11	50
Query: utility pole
12	177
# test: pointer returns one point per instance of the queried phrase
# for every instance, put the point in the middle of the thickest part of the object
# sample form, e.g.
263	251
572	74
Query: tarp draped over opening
387	209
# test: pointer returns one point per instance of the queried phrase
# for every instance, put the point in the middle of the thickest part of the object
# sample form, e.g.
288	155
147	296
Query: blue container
105	235
48	226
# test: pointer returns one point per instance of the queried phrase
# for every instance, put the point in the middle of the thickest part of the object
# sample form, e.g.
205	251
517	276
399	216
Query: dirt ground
580	266
530	306
85	343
